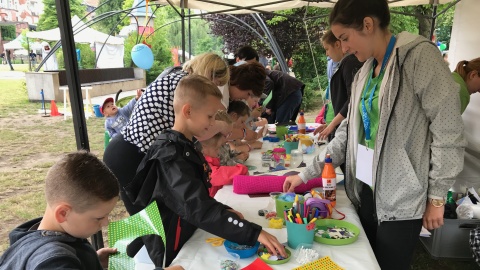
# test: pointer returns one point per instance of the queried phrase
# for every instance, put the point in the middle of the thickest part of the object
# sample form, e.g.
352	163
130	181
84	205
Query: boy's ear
61	212
187	110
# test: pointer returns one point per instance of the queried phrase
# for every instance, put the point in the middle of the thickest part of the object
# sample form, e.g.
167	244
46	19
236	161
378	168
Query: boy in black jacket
176	175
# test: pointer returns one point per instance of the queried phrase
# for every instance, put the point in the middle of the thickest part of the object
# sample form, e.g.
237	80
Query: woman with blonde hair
467	75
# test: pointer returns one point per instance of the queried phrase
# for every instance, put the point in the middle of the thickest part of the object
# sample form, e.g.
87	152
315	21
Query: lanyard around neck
365	116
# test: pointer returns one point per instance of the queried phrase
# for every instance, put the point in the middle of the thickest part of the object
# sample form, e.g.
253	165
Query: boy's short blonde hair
210	66
81	180
194	89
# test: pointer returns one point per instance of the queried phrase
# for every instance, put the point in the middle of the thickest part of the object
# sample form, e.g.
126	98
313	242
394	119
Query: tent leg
434	18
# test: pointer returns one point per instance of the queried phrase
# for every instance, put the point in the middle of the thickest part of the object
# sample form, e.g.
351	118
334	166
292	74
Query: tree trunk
424	23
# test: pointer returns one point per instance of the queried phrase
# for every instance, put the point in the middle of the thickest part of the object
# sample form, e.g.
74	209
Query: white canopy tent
250	6
111	55
16	44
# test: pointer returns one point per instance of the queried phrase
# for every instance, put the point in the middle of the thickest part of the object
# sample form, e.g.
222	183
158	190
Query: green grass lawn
30	144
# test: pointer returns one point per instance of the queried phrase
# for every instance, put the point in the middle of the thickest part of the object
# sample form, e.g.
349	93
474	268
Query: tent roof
249	6
16	44
85	34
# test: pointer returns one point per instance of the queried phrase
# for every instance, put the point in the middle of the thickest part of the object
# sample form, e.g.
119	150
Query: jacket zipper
383	141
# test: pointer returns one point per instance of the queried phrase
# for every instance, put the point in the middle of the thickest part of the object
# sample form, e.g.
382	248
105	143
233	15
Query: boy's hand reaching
271	243
240	215
103	254
139	93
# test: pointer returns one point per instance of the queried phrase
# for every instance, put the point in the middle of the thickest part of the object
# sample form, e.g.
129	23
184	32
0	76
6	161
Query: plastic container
243	253
281	131
289	146
264	256
329	180
96	109
451	240
299	233
282	205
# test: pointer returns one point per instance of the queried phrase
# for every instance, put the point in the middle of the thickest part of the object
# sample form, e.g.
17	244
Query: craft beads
306	255
229	265
335	233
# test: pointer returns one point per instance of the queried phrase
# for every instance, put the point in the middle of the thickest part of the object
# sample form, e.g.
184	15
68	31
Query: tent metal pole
189	36
182	6
75	92
434	18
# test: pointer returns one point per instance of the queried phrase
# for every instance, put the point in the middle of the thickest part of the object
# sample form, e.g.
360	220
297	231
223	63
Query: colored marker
313	220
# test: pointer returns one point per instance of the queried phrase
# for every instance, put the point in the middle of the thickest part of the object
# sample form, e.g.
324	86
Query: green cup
299	234
281	131
289	146
281	205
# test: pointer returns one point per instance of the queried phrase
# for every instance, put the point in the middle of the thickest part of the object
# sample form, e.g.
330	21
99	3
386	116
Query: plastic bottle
329	180
301	124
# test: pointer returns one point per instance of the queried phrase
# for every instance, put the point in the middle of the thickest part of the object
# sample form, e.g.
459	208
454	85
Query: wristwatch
437	202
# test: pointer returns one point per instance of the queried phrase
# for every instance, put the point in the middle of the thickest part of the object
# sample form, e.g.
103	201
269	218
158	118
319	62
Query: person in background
339	86
467	75
175	174
403	129
116	119
221	174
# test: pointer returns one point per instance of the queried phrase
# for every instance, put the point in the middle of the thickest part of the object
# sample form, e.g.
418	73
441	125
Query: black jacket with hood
176	175
39	249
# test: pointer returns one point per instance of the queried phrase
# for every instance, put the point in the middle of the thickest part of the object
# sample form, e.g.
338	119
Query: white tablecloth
196	254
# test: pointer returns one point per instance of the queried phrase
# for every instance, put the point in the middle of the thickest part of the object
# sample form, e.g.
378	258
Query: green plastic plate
324	223
275	262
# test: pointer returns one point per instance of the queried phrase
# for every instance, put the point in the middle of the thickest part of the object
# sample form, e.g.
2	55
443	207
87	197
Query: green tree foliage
112	22
49	20
202	40
8	32
87	57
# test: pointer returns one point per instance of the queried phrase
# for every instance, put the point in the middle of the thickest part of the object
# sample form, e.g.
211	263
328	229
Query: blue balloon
142	56
438	43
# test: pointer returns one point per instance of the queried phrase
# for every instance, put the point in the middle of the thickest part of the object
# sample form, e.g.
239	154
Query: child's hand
243	156
103	254
240	215
256	144
271	243
261	122
139	93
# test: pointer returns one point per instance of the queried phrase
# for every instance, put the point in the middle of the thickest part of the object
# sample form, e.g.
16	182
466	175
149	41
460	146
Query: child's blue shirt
115	124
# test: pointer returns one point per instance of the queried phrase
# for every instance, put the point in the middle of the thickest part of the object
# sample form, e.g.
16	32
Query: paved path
12	75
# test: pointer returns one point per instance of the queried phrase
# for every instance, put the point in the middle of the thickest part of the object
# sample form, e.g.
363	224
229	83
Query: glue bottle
301	124
329	180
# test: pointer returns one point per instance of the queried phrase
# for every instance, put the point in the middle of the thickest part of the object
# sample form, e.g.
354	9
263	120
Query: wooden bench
102	82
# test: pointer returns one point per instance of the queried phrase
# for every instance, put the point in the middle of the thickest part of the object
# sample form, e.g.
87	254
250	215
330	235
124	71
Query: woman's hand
103	254
326	132
291	182
271	243
433	217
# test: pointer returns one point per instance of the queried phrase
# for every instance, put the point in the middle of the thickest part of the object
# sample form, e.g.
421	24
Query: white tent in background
110	56
16	44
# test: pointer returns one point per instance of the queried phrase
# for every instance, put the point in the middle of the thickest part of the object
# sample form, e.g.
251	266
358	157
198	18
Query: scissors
215	241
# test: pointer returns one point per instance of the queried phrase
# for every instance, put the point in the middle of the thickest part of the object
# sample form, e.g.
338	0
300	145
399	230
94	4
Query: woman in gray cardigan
403	124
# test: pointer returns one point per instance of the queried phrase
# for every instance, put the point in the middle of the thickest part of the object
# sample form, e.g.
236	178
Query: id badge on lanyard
364	166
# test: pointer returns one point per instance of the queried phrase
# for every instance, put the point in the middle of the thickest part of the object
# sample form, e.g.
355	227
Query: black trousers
123	159
393	242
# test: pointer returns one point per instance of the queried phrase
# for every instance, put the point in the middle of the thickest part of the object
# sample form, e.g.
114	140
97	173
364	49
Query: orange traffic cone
54	109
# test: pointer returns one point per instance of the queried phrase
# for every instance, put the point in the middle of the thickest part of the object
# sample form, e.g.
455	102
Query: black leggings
123	159
393	242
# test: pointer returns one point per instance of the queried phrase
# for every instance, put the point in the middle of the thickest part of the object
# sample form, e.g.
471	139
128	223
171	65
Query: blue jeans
288	110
